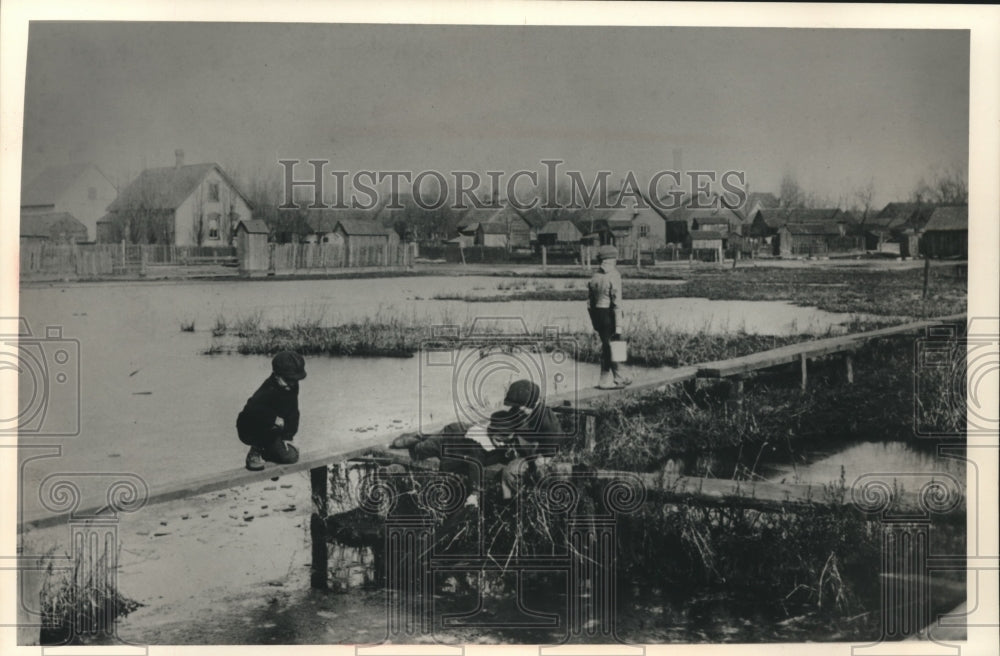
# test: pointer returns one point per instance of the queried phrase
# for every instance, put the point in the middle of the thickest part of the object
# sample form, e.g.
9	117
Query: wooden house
183	205
559	233
491	235
79	190
757	200
718	219
946	233
805	239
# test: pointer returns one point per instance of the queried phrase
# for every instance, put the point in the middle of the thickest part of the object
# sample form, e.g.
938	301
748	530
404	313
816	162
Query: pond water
150	403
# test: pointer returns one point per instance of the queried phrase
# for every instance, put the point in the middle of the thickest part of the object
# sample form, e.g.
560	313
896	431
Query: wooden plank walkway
811	349
579	401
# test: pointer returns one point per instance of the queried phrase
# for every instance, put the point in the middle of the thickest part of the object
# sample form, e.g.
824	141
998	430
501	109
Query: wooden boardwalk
318	460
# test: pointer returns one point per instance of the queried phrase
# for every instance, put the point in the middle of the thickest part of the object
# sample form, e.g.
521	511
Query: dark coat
270	401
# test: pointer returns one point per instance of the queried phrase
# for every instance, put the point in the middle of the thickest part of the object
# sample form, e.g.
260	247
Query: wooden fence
70	259
305	257
91	260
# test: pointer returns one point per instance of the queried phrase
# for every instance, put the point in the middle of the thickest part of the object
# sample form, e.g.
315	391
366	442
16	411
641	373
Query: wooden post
849	367
590	431
927	271
544	258
317	528
803	360
736	388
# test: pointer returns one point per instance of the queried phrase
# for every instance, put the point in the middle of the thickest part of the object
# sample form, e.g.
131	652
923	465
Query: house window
326	239
213	226
92	193
643	230
213	191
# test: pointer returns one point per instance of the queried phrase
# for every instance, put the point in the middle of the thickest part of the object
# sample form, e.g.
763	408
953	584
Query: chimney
178	158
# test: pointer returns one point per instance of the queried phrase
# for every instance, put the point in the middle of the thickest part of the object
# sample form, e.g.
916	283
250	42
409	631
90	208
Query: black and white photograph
626	325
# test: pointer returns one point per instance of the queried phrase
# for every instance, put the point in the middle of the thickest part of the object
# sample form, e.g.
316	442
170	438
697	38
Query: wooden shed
252	248
706	240
366	243
946	233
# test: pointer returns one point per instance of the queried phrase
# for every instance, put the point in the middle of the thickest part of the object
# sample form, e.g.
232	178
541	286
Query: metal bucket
619	350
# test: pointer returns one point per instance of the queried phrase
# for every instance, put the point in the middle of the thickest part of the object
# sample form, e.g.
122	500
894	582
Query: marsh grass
82	604
221	327
806	573
885	293
187	326
644	432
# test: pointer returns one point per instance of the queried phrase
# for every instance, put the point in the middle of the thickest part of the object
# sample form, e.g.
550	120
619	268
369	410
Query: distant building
491	235
80	190
56	227
322	224
685	219
497	227
757	200
183	205
365	242
840	229
807	239
707	240
896	227
559	233
946	233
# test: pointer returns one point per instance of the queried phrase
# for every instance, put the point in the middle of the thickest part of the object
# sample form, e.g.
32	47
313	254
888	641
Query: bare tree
946	187
862	200
198	224
140	217
790	193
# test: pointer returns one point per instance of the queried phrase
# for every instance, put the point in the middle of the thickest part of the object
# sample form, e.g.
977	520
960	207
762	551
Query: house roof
619	224
705	234
362	227
43	224
821	228
901	211
718	214
50	184
949	217
167	187
765	198
560	227
324	221
253	226
493	228
775	218
896	216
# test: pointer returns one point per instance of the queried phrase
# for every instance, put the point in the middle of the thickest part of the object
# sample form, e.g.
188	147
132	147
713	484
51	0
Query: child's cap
290	365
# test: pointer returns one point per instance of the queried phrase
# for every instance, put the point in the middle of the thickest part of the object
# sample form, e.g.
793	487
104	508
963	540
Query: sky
836	108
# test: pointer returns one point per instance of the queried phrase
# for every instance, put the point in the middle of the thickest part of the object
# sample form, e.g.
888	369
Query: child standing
270	418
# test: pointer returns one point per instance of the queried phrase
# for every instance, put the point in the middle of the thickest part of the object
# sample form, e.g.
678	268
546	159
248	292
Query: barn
946	233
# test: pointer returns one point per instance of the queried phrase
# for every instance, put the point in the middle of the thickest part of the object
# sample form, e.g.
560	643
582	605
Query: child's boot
255	459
